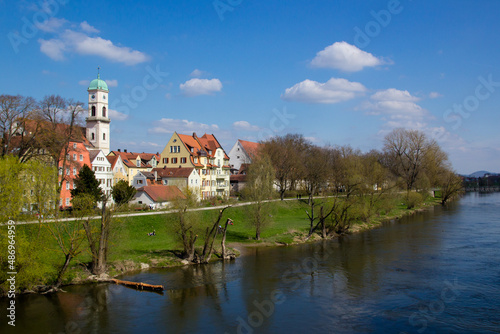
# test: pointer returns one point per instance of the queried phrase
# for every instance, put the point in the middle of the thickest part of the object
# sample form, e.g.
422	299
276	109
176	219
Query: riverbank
133	249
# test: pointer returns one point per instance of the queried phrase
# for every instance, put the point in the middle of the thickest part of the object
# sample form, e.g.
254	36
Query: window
74	146
67	157
195	160
67	171
165	160
139	181
67	201
81	157
93	111
92	136
103	111
138	162
183	160
67	185
103	136
74	170
74	156
174	160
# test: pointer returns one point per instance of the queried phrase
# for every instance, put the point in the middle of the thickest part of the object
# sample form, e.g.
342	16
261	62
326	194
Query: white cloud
84	82
53	24
116	115
333	91
393	94
245	126
434	95
112	83
197	86
88	28
345	57
76	42
150	144
53	48
397	108
169	125
197	73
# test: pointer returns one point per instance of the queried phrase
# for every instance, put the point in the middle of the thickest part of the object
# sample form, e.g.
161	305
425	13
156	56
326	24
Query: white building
98	117
242	153
102	169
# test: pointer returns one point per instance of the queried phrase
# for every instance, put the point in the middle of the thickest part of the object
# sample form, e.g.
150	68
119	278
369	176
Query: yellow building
206	155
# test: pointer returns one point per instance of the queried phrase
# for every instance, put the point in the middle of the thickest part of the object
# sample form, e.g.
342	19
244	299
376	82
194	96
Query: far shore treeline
334	189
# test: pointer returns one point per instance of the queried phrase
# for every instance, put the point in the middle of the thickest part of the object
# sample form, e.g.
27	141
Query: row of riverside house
187	161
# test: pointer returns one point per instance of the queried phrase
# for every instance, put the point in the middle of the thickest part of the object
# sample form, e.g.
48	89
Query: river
434	272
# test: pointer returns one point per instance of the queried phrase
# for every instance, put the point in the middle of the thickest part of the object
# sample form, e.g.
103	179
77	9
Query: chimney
119	150
125	150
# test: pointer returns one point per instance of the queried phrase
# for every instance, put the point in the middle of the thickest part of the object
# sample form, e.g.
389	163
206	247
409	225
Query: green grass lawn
129	240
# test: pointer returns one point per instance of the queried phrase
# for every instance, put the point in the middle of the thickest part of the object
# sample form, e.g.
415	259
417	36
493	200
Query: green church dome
98	84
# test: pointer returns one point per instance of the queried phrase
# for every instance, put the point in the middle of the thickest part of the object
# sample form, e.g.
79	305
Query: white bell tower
98	119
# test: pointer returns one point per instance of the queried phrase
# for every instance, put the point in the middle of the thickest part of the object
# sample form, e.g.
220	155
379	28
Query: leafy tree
12	189
259	189
86	183
186	223
122	192
451	185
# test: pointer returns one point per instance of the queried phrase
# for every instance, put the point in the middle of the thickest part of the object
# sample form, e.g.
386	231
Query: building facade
206	155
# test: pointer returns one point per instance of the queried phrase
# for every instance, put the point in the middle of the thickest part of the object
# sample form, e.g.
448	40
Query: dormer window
138	162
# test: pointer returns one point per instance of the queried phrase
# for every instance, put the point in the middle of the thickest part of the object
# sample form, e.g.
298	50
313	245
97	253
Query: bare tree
211	235
411	156
18	126
60	125
286	156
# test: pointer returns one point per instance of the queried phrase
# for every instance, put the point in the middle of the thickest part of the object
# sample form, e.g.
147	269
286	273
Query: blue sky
338	72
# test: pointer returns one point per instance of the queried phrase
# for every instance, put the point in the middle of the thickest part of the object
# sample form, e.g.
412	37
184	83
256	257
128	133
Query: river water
434	272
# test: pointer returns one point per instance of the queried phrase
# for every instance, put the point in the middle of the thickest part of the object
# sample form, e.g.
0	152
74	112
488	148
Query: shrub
413	200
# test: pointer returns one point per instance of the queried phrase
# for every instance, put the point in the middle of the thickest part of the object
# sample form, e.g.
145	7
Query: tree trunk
223	242
63	270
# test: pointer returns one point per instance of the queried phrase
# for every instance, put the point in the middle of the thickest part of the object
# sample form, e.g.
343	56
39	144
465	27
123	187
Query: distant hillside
480	173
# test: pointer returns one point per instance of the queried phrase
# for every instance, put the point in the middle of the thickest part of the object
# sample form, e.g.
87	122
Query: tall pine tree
86	183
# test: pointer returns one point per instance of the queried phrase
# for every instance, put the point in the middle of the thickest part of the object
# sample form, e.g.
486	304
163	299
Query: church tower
98	119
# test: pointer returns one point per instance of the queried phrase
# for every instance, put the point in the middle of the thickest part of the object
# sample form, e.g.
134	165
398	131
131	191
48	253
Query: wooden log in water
139	286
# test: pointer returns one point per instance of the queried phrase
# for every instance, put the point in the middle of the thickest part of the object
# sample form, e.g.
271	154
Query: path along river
434	272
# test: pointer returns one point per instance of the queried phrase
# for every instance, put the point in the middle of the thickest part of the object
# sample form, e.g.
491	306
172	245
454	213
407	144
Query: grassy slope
130	242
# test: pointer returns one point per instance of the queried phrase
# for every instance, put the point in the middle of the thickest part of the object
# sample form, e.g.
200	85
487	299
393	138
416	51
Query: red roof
162	193
251	148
